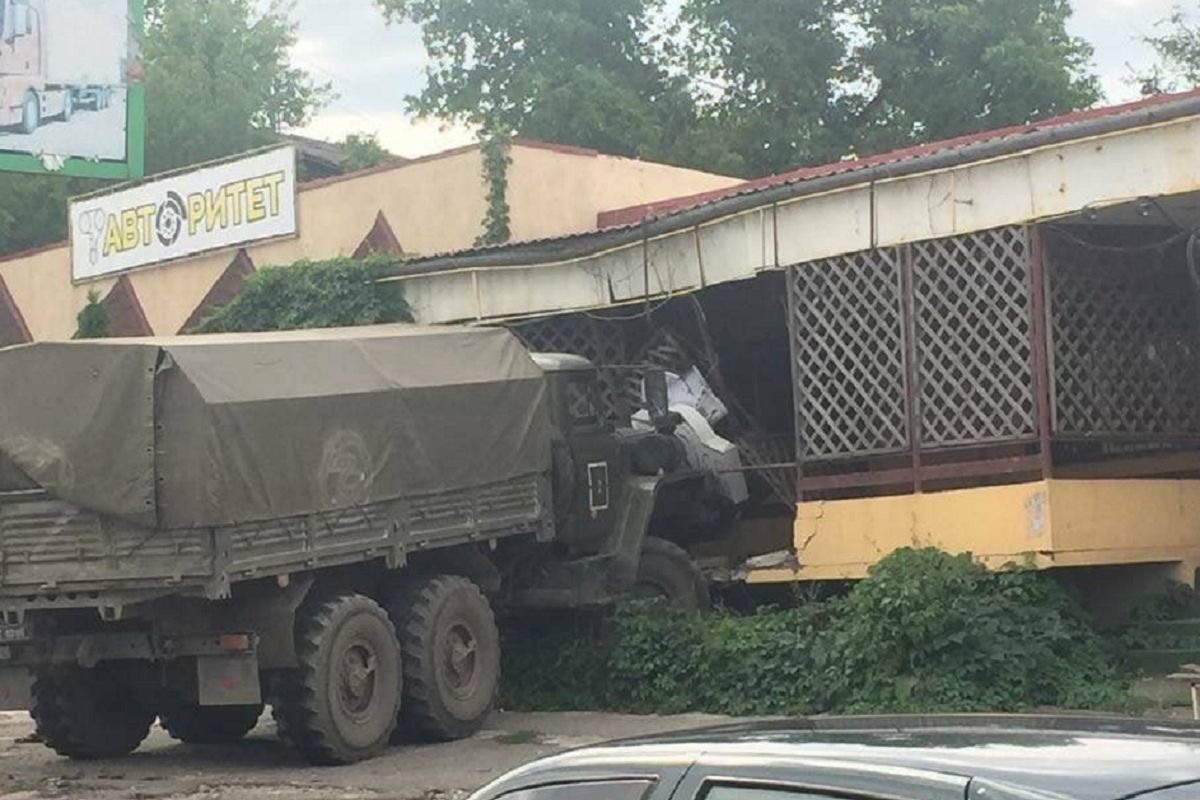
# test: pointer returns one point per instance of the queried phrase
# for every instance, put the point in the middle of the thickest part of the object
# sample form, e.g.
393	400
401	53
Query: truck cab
625	499
21	73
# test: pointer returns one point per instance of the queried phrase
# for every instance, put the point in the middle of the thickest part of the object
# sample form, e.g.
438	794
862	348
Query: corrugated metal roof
684	211
635	214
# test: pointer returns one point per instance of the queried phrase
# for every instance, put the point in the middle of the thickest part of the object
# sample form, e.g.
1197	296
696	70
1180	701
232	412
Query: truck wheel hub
459	660
356	679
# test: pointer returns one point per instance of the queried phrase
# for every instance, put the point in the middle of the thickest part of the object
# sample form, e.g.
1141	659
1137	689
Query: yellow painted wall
551	193
434	205
1055	523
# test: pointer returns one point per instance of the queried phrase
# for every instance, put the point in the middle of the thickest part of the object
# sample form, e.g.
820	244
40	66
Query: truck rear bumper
216	670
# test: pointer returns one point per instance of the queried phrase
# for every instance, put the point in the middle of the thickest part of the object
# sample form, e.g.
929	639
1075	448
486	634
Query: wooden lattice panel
595	339
848	355
974	336
1123	342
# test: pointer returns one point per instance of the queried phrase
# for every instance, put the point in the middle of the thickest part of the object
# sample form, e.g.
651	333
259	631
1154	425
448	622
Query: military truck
319	521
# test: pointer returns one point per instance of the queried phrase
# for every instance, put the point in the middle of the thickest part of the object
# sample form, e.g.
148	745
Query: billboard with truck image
70	87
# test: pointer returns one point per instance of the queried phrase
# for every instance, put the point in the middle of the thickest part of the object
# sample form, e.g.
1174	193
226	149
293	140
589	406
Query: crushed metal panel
928	203
738	247
504	293
442	298
825	225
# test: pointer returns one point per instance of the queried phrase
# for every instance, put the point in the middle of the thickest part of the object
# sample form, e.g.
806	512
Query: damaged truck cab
321	521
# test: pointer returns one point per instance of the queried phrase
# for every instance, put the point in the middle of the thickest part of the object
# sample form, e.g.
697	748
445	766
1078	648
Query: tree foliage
218	82
312	294
92	320
938	68
363	151
1177	47
574	71
747	87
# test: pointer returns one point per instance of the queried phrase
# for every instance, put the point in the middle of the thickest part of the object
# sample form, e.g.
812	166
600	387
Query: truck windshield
581	400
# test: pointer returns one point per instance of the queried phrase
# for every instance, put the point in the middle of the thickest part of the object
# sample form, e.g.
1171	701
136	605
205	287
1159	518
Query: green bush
312	294
926	631
92	320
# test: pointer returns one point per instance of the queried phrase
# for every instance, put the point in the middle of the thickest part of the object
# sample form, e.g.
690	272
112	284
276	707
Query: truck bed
55	555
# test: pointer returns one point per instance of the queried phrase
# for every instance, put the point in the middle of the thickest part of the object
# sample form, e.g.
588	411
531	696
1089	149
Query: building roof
635	214
623	226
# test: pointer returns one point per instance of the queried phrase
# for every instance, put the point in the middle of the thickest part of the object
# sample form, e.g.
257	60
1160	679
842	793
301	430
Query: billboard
223	205
71	100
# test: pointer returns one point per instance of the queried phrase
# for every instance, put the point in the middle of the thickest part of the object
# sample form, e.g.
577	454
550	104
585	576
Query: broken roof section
654	219
1056	168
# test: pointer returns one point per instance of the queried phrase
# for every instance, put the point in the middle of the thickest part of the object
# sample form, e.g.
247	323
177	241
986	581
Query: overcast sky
373	65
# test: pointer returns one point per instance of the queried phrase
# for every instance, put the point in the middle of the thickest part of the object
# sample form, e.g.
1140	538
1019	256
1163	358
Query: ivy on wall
496	149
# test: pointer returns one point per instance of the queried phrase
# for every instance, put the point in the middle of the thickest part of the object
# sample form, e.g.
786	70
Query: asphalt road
88	134
263	768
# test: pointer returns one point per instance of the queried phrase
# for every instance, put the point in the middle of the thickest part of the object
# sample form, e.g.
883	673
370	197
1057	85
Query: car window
590	790
733	791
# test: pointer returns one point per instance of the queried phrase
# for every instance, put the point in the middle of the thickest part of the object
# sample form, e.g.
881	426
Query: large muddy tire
102	712
667	574
451	657
209	724
341	705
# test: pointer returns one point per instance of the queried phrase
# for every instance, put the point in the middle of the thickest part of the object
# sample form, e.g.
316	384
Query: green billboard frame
134	165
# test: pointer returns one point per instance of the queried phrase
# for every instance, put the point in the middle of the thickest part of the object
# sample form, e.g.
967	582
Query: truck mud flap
16	689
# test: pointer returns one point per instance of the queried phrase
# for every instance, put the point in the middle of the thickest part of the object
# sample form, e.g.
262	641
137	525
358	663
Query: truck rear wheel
666	573
31	113
209	724
102	712
451	657
341	705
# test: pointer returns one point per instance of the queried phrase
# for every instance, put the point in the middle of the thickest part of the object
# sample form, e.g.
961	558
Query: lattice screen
974	338
1124	342
848	355
582	335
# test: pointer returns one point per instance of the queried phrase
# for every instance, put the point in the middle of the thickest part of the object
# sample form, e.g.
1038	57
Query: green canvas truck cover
217	430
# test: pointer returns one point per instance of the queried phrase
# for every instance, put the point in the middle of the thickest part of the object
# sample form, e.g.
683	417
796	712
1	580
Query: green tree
33	208
218	79
573	71
1177	46
312	294
92	320
769	75
930	69
363	151
218	82
741	87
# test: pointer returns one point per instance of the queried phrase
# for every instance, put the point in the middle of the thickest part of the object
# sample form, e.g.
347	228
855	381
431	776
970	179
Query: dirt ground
263	768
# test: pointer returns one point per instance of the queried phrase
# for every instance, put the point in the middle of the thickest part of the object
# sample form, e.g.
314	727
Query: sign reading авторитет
225	205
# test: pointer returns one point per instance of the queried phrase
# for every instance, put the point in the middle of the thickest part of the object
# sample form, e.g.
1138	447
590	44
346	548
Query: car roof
1092	758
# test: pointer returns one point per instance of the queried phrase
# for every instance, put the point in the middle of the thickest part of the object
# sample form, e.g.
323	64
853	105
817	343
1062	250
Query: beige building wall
555	190
432	205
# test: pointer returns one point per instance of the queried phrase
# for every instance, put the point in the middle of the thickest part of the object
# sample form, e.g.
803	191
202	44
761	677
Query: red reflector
234	641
